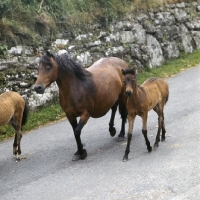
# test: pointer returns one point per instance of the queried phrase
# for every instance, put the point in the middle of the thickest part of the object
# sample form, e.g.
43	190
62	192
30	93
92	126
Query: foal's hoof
112	131
125	158
82	156
120	139
149	149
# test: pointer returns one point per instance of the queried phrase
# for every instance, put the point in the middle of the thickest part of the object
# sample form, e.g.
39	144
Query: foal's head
129	80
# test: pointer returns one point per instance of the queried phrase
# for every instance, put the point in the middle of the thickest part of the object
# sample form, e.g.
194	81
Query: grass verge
54	112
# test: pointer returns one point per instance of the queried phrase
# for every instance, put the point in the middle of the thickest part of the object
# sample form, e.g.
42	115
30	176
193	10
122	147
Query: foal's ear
49	54
133	71
40	54
123	71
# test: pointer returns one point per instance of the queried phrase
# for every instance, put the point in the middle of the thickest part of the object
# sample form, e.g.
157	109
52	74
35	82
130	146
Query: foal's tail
25	114
167	98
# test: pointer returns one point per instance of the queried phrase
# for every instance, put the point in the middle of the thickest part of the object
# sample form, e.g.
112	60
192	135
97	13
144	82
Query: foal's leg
159	110
131	119
112	129
163	130
144	131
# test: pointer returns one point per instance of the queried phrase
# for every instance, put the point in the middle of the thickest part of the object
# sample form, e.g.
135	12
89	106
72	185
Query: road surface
171	172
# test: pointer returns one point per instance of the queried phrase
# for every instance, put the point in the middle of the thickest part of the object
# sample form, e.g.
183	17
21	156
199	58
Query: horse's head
129	80
47	72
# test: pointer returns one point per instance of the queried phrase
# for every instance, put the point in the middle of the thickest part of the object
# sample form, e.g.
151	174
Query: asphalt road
171	172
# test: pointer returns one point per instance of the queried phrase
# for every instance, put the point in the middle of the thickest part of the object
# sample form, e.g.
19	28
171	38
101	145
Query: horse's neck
67	84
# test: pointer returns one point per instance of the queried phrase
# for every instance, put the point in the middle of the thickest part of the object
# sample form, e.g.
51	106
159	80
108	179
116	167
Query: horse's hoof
83	155
112	131
156	145
125	158
162	139
120	139
76	157
17	159
149	148
14	151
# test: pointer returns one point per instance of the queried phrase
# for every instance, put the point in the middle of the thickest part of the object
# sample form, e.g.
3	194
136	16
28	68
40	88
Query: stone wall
144	39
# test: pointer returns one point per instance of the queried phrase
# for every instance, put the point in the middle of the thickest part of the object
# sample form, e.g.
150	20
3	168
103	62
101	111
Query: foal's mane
129	71
67	65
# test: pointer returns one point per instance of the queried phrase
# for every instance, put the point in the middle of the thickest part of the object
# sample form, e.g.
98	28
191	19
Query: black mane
67	65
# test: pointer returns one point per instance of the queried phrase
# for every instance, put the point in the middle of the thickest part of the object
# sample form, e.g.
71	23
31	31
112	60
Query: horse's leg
123	113
163	130
131	119
112	129
80	153
122	132
19	142
74	125
16	122
144	131
16	144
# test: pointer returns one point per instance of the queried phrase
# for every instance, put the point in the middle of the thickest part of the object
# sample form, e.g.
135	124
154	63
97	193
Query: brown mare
90	92
152	94
13	111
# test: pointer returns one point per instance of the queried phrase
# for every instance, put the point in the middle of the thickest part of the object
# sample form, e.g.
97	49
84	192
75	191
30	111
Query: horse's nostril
128	93
39	89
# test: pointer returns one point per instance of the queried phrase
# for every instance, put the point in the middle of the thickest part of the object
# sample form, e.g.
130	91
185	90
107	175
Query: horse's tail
25	114
123	112
167	98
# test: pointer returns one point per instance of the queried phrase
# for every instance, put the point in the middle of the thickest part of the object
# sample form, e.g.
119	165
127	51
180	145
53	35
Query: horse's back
108	64
9	103
11	96
106	72
107	78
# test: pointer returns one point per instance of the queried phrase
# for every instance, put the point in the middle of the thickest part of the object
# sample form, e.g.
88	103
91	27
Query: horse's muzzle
39	89
129	93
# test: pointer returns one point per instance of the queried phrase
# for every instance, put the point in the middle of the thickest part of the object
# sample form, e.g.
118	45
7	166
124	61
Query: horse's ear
123	71
49	54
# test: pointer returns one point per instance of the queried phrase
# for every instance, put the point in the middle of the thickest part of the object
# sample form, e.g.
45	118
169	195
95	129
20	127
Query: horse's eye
48	68
123	81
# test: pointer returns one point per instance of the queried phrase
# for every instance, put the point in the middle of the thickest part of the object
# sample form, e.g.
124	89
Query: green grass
54	112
